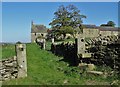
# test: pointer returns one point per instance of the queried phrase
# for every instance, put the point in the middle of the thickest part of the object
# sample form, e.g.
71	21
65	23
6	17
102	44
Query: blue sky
17	16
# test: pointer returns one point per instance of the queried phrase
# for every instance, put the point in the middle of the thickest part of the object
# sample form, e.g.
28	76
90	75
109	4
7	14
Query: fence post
21	60
80	44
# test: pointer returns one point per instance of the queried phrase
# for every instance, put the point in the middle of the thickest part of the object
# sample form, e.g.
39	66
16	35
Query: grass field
8	50
44	68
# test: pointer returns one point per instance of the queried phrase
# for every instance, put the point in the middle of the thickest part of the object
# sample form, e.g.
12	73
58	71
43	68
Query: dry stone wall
8	69
67	50
102	50
14	67
107	52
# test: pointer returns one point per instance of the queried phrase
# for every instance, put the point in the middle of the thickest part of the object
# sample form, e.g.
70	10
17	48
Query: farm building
90	31
37	30
95	31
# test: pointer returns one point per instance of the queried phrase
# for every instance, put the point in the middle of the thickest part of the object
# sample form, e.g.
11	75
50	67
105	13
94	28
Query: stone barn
37	30
92	31
109	31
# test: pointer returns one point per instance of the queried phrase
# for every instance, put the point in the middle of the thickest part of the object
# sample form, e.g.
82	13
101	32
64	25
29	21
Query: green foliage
66	29
66	19
109	23
18	42
103	25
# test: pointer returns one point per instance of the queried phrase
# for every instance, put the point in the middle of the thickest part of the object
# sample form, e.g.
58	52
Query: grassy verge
44	68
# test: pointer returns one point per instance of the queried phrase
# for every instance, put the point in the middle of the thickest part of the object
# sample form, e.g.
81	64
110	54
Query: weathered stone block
82	66
95	72
9	64
85	55
8	69
91	67
21	60
14	58
52	40
80	44
87	67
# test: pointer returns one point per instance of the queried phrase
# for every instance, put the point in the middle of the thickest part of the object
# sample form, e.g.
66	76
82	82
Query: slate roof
101	28
89	26
43	29
109	29
38	29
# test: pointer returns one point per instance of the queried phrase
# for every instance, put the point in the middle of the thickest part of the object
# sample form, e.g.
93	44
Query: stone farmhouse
90	31
37	30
